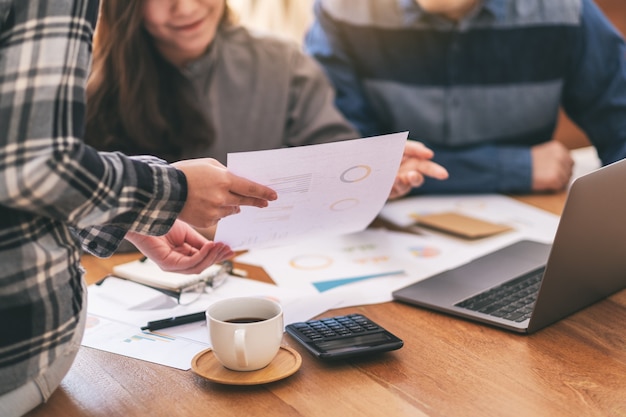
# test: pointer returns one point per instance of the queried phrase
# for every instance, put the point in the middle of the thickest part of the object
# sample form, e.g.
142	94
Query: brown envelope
461	225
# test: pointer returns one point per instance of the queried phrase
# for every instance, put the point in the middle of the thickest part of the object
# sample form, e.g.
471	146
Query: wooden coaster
286	363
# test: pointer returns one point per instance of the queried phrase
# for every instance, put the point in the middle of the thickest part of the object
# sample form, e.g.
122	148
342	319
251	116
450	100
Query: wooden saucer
286	363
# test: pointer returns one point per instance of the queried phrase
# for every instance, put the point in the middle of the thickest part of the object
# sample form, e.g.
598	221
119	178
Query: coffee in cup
245	332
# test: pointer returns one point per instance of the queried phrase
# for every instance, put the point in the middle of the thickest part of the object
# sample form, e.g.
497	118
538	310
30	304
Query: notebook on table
146	272
585	263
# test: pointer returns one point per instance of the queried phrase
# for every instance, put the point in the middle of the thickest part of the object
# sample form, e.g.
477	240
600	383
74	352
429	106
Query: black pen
174	321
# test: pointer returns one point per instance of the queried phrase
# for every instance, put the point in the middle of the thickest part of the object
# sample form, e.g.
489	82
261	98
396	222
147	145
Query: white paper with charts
333	188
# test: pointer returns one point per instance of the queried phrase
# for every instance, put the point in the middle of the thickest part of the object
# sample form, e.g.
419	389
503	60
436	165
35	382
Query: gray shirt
261	92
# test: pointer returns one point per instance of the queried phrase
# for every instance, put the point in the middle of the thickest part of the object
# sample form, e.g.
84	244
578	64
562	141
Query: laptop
585	263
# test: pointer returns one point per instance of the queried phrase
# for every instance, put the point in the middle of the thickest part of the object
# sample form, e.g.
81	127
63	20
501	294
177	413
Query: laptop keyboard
514	300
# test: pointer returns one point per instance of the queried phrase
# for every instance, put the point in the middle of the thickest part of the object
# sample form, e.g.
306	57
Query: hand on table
552	166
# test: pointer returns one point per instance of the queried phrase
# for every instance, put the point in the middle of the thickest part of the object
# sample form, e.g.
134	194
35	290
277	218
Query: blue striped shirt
480	92
57	194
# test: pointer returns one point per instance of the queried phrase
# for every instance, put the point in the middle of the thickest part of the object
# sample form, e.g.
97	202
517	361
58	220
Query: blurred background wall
288	18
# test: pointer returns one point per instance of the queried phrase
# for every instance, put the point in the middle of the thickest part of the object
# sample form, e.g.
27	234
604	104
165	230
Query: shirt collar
413	12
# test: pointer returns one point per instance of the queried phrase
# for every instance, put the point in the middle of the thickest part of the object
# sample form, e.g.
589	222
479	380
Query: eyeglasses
192	292
210	280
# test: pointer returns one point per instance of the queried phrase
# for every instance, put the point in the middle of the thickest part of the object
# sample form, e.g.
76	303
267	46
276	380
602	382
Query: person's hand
552	166
415	165
213	192
208	232
181	250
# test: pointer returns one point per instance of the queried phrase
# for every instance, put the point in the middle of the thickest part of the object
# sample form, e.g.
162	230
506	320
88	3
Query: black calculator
343	337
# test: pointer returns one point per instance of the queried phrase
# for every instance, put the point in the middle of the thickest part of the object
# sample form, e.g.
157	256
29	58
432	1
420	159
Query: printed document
332	188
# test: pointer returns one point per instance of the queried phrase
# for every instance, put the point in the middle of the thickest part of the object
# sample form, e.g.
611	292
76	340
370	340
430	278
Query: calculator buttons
343	336
340	326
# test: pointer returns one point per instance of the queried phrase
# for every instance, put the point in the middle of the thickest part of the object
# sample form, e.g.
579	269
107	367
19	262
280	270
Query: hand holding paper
333	188
416	164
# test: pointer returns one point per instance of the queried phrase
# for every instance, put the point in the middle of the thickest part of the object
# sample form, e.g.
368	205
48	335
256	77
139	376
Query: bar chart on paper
128	340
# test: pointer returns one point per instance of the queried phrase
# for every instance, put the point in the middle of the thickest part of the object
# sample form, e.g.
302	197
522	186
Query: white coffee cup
245	332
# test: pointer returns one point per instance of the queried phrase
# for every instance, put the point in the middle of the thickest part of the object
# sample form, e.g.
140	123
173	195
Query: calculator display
343	336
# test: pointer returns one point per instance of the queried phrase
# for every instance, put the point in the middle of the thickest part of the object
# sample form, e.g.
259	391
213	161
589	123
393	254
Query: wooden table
448	367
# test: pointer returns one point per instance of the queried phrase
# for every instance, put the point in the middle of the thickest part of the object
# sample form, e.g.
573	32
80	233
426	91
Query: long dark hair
134	99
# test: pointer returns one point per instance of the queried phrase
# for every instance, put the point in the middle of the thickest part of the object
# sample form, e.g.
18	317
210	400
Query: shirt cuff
515	167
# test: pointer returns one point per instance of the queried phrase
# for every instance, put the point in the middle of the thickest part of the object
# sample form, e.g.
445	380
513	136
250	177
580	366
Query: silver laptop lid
588	258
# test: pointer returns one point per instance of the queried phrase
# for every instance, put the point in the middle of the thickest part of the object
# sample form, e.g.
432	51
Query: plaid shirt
57	194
